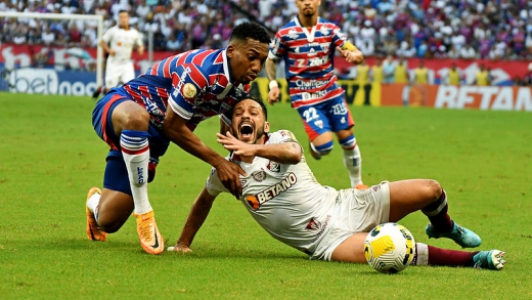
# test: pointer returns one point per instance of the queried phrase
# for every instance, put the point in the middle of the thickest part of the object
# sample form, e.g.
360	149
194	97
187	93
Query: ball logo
253	202
189	91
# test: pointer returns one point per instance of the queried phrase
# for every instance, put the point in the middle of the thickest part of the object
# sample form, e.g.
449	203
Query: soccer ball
389	248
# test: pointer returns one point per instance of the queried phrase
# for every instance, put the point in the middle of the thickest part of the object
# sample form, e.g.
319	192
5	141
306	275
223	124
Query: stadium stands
482	29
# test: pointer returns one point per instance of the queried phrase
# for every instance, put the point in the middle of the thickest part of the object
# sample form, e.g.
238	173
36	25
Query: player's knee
109	227
434	189
348	143
323	149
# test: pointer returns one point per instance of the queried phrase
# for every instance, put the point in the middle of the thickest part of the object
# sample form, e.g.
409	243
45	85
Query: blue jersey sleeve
187	83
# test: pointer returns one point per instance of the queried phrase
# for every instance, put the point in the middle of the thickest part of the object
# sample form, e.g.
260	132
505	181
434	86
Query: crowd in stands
482	29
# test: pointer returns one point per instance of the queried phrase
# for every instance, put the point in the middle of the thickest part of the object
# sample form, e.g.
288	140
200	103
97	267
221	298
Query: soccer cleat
460	235
315	155
94	233
361	186
492	260
150	238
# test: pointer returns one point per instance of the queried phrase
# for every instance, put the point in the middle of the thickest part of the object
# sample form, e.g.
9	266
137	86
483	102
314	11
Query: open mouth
246	131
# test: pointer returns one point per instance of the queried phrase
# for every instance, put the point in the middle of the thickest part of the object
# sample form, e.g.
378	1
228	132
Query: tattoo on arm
271	69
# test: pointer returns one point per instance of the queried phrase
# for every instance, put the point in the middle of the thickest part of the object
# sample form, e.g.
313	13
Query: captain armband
348	46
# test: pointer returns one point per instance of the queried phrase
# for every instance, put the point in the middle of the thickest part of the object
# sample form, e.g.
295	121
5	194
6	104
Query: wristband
273	84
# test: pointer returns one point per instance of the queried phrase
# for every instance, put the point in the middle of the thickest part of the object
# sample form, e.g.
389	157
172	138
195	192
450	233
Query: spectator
388	68
468	52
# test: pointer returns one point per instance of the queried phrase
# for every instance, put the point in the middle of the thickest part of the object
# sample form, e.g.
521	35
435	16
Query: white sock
93	203
421	258
136	152
353	164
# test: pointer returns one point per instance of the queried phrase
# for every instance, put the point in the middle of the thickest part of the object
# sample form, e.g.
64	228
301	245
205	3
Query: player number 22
310	114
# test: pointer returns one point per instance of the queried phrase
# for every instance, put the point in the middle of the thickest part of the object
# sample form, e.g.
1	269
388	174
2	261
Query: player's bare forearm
176	130
271	69
284	153
196	217
106	48
140	50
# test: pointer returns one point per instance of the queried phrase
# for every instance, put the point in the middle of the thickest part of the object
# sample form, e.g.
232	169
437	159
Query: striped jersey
195	84
308	54
285	199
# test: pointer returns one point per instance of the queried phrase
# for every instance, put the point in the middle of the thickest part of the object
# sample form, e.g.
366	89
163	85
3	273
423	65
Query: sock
433	256
136	152
352	160
93	203
323	149
437	213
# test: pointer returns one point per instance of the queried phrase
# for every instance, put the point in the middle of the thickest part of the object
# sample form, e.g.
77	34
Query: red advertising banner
77	58
503	72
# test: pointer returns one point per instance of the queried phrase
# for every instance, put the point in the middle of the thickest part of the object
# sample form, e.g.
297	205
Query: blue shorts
116	177
329	116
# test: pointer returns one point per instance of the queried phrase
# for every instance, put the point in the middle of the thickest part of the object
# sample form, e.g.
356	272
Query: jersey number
310	114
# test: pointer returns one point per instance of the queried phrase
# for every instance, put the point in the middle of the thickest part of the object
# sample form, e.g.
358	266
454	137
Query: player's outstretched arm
284	153
176	130
196	217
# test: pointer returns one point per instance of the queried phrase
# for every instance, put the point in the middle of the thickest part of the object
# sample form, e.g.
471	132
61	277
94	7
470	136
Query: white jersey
285	199
122	41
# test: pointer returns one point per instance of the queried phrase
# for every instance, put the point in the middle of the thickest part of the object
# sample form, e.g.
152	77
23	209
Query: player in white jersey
118	43
282	195
307	45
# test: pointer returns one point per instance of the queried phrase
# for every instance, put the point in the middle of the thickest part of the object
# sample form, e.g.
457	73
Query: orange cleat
94	233
150	238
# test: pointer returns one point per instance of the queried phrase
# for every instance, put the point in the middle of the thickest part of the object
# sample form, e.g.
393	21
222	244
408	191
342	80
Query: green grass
50	156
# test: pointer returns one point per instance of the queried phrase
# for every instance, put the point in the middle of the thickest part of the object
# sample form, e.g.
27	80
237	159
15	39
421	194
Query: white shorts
356	211
117	72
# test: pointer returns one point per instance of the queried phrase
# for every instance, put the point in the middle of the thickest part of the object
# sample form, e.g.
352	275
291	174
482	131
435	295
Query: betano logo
255	201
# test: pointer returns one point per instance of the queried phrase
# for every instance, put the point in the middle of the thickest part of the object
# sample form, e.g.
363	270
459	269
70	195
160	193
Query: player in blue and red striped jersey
139	120
307	45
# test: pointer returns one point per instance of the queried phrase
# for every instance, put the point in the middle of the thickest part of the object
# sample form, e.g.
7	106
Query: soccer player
308	44
118	43
139	119
283	196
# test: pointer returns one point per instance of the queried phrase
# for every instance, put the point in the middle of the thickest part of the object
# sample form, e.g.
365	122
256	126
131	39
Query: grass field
50	156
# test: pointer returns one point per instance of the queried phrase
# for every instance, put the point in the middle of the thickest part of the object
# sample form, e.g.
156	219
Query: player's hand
179	248
354	57
273	95
112	52
229	174
232	143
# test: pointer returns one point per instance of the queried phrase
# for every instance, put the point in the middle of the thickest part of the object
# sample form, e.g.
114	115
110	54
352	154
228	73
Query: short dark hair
257	98
249	30
123	11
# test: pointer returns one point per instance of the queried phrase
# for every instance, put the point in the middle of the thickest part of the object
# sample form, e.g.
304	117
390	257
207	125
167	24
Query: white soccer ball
389	248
